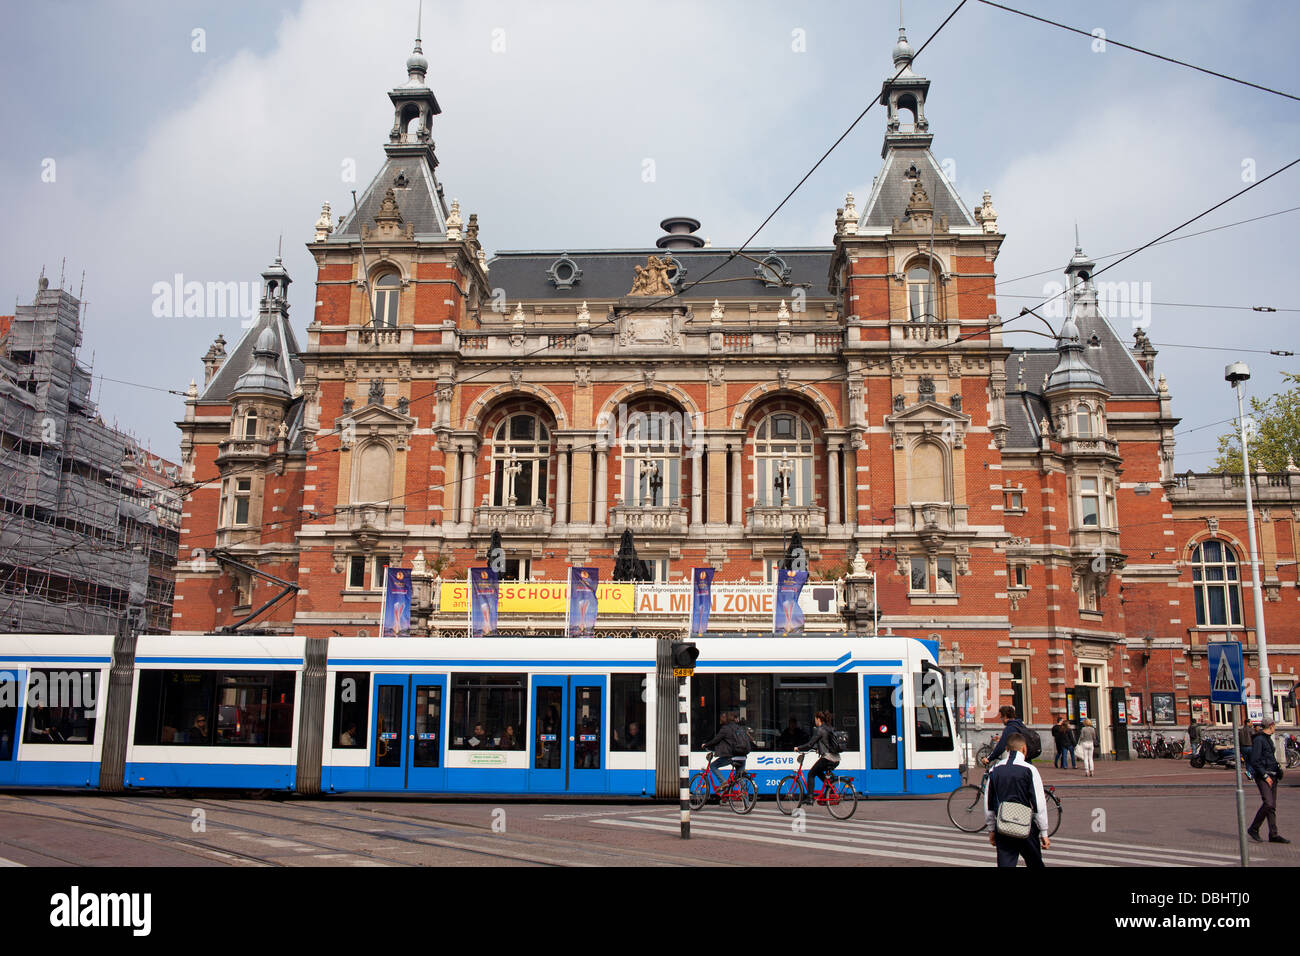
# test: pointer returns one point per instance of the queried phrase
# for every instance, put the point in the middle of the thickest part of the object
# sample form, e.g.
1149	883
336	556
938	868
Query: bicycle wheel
982	754
1053	813
842	800
743	795
699	790
1292	758
966	808
788	794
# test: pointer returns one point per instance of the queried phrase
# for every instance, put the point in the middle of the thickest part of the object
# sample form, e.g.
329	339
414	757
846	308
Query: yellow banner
534	598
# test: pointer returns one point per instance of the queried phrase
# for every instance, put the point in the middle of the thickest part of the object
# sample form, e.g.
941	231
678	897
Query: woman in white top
1087	741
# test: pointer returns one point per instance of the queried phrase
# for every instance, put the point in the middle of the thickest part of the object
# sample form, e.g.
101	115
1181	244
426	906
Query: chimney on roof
680	233
214	359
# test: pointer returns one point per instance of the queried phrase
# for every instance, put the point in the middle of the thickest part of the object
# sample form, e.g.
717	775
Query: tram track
93	820
530	846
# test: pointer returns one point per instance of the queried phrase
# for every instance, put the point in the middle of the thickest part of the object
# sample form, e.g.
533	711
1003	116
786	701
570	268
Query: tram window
627	693
61	707
255	709
10	691
798	699
932	729
484	707
749	696
202	708
844	710
174	707
351	708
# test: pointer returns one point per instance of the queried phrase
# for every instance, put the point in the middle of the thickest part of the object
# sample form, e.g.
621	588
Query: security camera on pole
1236	373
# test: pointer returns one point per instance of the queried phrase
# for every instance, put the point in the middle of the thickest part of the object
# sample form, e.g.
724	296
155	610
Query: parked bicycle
739	792
966	807
1142	746
1292	751
838	794
1169	749
982	754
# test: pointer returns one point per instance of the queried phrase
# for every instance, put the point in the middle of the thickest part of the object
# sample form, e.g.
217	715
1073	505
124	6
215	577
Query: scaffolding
86	544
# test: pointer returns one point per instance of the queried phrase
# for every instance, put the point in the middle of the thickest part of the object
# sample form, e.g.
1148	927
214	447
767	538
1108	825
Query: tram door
885	752
408	732
11	695
567	750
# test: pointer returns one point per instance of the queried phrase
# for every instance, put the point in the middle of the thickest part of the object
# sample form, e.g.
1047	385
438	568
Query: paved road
1103	826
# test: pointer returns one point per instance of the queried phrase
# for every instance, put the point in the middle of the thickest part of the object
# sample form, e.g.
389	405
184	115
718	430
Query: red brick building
1019	506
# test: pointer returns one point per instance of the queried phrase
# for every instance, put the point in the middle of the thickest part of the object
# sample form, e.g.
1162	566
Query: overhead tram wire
1137	49
1190	235
690	285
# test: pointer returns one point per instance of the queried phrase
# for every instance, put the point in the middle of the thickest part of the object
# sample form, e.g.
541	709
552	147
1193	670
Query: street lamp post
1236	373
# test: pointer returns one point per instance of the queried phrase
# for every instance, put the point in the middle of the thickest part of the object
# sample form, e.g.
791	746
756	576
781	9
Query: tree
1275	442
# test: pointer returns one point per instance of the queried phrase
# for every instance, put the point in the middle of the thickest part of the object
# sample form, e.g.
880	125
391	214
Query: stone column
602	484
737	495
835	476
697	478
469	464
562	486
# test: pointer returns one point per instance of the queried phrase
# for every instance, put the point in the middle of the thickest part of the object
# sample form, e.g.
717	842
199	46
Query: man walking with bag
1016	808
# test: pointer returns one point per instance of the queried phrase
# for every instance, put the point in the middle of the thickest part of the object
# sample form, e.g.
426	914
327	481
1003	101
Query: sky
148	139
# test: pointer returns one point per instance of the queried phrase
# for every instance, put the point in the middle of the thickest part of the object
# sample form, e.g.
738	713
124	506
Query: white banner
730	601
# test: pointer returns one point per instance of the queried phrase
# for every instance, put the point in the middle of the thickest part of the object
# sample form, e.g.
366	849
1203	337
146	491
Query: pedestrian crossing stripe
1224	681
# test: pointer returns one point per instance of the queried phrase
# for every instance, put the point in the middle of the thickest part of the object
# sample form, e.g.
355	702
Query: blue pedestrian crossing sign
1227	675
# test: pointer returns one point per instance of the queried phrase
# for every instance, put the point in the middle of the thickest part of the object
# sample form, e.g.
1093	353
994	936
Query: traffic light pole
684	756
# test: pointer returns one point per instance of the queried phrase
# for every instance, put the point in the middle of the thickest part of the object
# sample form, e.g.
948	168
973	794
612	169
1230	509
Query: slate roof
417	200
608	273
892	190
1108	355
241	358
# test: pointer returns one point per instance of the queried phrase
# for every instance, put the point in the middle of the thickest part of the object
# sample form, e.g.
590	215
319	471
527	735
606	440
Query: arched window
521	449
929	473
783	448
652	459
920	294
1083	421
374	476
1215	585
388	289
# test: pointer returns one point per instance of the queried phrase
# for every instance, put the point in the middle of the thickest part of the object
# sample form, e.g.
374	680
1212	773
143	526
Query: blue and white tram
527	716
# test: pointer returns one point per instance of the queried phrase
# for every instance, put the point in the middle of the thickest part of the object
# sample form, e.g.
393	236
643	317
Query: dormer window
250	425
920	295
773	271
564	273
388	290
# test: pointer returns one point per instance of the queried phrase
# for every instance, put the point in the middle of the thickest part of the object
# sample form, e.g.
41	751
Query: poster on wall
1255	709
1135	709
1162	709
1200	709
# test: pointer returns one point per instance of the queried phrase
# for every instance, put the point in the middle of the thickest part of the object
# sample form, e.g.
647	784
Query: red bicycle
838	794
739	792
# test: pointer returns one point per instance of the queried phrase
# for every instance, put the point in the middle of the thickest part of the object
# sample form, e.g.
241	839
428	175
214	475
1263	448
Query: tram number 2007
771	782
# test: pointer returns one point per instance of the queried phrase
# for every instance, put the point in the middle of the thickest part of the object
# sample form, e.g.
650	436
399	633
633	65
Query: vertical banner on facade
788	617
701	600
484	592
396	621
581	618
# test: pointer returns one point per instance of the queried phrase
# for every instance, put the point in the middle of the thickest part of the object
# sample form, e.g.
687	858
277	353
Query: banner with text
701	600
396	621
583	603
788	618
485	588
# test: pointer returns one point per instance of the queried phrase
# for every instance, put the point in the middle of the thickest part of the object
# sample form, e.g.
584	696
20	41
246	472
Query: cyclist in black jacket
727	747
826	757
1011	725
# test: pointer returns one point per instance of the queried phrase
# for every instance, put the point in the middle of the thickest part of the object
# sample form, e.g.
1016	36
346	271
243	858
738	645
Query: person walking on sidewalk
1087	741
1264	767
1058	759
1068	740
